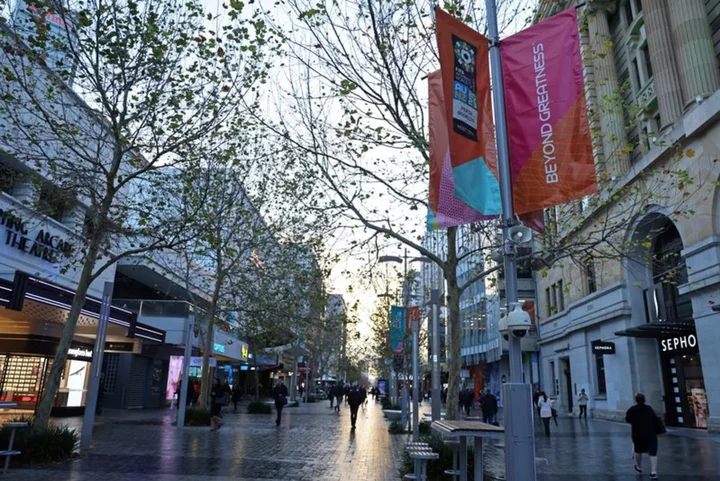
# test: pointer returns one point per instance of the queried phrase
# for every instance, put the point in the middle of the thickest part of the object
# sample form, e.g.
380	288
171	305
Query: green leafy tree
100	107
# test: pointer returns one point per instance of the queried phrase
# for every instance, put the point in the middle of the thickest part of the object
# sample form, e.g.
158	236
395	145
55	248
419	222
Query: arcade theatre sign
43	244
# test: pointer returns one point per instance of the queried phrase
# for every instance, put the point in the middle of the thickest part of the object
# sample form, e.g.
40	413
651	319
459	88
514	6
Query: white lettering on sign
676	343
78	352
544	115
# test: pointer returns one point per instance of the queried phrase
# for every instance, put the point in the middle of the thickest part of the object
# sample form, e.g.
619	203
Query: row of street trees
168	141
353	119
140	114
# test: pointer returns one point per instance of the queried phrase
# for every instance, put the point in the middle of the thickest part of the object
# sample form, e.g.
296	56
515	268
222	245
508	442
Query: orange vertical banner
468	107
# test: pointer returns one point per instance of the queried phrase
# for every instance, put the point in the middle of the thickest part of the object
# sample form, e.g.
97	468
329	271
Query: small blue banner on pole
397	328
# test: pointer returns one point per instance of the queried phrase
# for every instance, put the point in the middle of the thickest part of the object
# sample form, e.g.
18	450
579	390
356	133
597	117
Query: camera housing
516	323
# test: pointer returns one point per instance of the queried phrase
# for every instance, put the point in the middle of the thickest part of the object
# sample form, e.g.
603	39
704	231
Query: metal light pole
182	397
519	439
436	401
96	369
415	354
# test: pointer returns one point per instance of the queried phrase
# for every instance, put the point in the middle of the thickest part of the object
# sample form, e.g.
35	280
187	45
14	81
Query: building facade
642	320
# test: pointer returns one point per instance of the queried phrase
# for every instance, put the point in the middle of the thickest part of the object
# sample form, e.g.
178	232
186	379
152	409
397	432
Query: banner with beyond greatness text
465	70
551	158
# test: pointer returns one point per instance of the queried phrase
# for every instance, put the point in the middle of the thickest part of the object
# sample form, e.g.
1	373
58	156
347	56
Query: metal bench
420	457
9	452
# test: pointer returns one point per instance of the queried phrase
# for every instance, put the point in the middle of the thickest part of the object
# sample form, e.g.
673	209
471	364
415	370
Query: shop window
600	371
53	201
111	361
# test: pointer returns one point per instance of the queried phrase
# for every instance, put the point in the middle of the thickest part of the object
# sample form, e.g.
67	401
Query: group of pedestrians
645	424
488	404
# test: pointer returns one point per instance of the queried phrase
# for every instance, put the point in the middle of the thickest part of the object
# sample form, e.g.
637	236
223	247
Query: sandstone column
693	49
662	56
612	122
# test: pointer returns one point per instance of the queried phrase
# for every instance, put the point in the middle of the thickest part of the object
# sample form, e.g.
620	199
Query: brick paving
314	443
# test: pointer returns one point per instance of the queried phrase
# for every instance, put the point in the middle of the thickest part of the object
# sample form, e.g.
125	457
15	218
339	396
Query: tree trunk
205	382
42	417
454	328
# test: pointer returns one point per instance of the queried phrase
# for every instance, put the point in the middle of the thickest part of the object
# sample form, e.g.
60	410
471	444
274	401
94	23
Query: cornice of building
548	8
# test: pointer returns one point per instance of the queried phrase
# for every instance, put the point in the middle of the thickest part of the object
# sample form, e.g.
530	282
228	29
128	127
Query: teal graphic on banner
397	328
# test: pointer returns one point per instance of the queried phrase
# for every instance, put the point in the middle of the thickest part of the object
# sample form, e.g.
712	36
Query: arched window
669	271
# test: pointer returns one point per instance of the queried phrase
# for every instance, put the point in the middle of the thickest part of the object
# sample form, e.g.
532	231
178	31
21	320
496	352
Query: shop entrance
567	384
685	398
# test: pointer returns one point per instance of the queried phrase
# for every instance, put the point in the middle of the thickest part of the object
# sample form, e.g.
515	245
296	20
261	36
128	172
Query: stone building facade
642	320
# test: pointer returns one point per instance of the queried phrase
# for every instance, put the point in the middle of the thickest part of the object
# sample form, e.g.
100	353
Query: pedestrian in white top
583	402
545	405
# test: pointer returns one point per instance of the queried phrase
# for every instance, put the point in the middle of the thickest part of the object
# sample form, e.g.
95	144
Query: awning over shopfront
28	292
659	330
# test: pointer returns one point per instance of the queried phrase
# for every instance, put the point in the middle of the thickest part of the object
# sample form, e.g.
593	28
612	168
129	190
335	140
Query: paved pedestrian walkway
315	443
312	443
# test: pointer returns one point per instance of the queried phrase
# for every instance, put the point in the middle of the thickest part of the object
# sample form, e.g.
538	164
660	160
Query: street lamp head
390	259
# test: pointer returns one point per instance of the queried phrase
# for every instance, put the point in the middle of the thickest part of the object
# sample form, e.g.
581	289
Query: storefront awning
659	330
38	292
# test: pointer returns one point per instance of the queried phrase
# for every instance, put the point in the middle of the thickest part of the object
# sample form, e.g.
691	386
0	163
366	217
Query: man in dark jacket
489	407
279	394
646	425
354	399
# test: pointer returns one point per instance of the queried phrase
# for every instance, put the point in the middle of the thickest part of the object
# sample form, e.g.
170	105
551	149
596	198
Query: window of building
600	371
645	55
561	296
555	298
8	178
590	277
53	201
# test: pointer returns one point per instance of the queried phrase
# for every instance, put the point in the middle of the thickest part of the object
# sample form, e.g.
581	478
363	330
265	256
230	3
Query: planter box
394	415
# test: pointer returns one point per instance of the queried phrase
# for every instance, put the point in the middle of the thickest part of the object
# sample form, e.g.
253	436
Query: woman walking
546	411
646	425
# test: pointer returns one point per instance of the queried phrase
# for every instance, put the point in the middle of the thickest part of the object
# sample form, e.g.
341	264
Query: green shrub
396	427
436	469
259	407
386	403
51	445
197	417
424	428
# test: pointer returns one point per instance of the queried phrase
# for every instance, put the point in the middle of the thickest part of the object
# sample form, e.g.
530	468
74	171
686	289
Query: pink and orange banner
445	209
551	158
465	71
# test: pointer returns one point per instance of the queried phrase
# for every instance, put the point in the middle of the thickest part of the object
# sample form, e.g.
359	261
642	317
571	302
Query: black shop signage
601	347
42	244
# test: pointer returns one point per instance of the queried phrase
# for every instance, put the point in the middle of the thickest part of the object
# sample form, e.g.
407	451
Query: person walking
466	400
583	402
331	395
339	395
489	407
279	394
236	396
354	400
646	426
536	398
363	393
546	411
218	398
